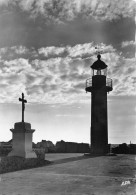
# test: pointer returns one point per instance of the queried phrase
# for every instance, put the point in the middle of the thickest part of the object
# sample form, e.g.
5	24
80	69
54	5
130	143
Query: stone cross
23	105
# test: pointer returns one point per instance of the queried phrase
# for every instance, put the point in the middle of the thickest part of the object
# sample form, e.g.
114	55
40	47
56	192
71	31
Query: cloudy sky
46	49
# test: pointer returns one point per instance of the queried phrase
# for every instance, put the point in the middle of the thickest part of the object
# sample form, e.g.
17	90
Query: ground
74	174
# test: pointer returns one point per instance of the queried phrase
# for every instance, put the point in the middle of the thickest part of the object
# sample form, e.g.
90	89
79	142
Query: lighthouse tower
99	85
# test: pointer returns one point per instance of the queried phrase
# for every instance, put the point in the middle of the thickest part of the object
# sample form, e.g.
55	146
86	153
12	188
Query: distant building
125	149
6	144
48	145
72	147
132	148
5	148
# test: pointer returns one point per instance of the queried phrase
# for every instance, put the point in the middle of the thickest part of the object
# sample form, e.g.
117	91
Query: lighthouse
99	85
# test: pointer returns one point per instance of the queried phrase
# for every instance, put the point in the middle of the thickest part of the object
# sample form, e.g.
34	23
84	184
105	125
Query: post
23	107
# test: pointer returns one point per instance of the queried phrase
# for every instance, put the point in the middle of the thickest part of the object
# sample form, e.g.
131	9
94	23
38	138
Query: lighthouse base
101	150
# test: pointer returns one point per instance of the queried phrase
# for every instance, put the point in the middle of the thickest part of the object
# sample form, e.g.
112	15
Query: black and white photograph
67	97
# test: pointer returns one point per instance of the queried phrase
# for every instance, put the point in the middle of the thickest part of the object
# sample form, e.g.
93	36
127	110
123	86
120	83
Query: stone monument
22	137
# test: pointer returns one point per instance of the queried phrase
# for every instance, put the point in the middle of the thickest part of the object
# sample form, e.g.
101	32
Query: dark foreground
73	174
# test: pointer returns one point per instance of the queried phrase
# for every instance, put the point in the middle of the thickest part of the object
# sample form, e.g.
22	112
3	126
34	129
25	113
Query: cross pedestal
22	140
22	137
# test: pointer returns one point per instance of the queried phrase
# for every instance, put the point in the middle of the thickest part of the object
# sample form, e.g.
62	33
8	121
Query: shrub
4	151
9	164
40	152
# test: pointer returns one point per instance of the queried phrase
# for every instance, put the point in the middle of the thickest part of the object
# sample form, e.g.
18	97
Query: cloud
88	49
128	43
78	51
122	71
51	51
60	78
4	2
63	10
15	52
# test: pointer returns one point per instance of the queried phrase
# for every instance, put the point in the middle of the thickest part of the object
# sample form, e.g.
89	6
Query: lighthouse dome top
99	64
